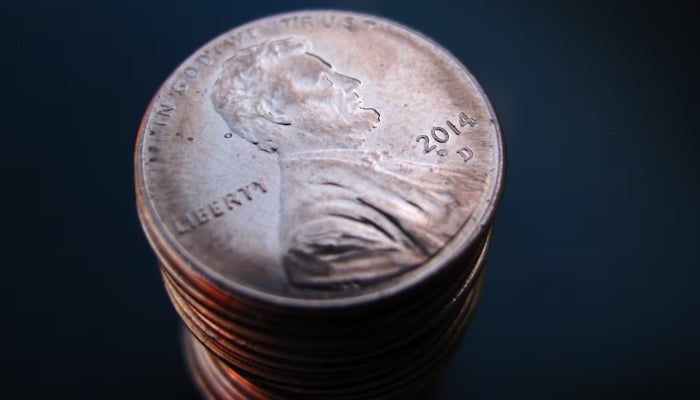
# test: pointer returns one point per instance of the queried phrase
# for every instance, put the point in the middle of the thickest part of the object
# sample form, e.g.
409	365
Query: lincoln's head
283	98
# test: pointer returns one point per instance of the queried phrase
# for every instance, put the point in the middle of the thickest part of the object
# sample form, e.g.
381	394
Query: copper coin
317	159
319	188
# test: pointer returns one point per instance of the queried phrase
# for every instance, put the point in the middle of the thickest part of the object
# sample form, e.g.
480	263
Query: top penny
318	155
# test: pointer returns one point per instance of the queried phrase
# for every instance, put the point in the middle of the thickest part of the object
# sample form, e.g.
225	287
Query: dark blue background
591	290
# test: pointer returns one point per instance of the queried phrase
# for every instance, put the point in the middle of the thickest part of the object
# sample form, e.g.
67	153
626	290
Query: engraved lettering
191	72
204	59
246	192
215	208
192	219
349	23
307	22
452	127
466	153
442	137
224	44
328	20
464	119
426	148
202	216
286	21
183	225
260	185
369	23
236	39
252	33
231	201
179	87
164	110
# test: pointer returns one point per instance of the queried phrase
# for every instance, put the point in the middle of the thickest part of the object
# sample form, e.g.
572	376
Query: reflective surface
351	262
318	155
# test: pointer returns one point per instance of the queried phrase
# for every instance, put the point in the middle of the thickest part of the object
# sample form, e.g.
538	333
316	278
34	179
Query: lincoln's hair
250	89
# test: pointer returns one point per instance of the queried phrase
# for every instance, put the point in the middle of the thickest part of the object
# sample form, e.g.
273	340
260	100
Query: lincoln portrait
350	215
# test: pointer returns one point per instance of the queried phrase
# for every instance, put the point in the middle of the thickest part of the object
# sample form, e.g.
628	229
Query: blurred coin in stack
319	188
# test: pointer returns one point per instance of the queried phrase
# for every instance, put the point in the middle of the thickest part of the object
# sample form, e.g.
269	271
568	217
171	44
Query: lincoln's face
278	96
319	98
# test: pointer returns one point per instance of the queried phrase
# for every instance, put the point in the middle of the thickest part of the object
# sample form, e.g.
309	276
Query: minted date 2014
442	135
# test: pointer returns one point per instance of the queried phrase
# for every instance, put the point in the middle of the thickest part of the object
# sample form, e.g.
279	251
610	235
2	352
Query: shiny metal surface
317	158
402	377
319	188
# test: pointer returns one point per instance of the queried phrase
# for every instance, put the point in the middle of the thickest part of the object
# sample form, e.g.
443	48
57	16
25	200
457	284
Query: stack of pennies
319	188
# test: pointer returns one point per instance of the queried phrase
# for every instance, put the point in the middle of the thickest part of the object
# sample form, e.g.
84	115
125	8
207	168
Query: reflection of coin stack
373	263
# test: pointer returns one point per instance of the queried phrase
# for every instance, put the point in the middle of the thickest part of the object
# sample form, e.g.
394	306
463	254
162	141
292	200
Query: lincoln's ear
273	116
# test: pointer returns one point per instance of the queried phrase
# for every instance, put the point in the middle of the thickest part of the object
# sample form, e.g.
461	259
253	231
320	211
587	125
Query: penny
212	372
319	188
344	372
304	163
230	328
